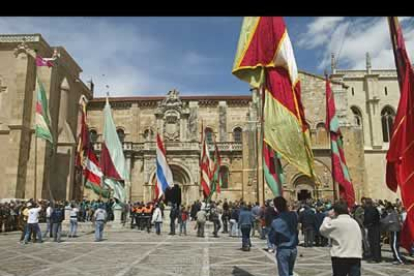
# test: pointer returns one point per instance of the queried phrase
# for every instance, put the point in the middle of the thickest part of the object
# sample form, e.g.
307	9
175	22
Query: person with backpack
57	216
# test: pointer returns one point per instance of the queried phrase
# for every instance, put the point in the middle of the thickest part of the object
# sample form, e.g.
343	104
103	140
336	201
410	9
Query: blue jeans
48	228
57	230
245	229
183	227
73	227
99	227
286	261
266	231
157	226
33	227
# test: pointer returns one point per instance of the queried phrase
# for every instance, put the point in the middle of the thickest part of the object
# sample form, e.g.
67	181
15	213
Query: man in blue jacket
284	234
246	221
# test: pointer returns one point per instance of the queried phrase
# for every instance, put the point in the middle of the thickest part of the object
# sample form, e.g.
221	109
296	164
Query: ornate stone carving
22	48
170	115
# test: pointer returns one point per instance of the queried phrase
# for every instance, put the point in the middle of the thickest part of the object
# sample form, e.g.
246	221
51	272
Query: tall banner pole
35	169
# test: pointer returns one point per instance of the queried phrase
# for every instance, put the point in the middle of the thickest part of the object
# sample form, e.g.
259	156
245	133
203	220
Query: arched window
387	120
209	135
148	135
93	136
224	175
357	116
237	135
121	134
321	134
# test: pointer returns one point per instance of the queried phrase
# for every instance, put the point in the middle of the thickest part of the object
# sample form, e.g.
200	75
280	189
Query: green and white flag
42	117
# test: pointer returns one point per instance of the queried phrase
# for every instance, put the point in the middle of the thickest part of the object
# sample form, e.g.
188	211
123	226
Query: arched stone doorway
304	188
181	177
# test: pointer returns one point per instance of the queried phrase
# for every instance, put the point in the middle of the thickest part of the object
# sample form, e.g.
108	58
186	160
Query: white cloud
120	55
318	32
351	39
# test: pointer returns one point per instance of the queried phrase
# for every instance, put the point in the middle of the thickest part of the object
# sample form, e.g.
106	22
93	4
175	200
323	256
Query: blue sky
151	55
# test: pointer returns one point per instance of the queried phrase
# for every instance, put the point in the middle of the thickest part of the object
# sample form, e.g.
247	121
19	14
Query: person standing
284	235
157	219
173	217
49	223
214	217
201	221
225	217
246	222
372	223
269	215
73	221
392	223
183	218
57	216
24	215
33	223
99	218
346	250
256	211
307	218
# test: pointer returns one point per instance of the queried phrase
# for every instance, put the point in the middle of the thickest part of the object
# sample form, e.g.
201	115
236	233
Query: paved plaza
127	252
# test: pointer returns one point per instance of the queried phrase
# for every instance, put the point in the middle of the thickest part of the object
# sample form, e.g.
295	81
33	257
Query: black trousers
346	266
309	236
374	239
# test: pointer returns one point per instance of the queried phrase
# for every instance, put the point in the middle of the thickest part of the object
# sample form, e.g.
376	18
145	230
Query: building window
357	116
148	135
237	135
93	136
121	134
209	135
353	92
387	120
386	91
321	135
224	174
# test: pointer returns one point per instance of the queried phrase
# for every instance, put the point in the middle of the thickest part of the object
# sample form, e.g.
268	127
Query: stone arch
181	174
387	121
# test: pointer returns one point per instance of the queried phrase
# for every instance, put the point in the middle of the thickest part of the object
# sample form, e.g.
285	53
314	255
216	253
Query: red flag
205	165
340	172
400	156
83	133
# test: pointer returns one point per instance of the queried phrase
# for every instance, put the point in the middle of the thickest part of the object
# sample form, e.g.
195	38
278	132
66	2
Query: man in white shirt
33	223
99	217
346	250
49	226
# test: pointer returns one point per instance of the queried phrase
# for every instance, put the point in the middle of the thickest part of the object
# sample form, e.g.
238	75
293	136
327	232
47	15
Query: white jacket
157	216
345	234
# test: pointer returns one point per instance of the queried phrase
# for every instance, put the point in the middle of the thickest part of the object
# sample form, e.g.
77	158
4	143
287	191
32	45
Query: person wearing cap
99	217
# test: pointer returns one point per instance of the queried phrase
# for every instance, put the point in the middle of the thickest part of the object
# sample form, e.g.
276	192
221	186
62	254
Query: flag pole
35	168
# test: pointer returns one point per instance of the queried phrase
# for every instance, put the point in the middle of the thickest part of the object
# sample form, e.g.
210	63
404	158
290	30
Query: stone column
128	181
222	109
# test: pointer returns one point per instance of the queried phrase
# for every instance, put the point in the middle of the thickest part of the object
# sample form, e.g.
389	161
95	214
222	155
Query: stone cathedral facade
366	103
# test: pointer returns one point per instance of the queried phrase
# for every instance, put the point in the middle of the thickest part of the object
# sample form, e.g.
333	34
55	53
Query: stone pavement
129	252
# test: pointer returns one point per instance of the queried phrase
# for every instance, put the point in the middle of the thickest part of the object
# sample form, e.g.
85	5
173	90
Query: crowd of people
352	233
